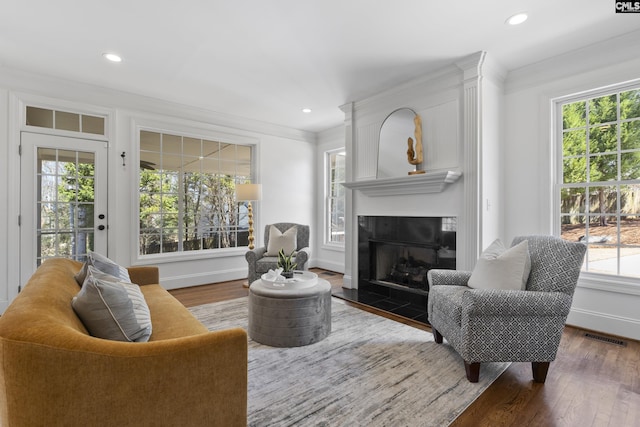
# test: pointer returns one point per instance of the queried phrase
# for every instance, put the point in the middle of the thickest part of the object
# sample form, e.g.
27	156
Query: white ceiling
267	59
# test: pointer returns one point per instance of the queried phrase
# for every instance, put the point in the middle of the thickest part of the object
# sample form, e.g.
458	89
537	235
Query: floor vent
606	339
328	273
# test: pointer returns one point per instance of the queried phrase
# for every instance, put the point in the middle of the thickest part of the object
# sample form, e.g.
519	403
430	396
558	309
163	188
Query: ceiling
266	60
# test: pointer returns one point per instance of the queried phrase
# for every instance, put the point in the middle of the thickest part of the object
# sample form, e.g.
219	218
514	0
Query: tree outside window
599	189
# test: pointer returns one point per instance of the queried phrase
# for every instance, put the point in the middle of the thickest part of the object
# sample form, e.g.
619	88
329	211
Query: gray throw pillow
103	264
502	268
112	309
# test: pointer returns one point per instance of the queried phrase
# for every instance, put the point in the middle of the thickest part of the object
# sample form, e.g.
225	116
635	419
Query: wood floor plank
591	382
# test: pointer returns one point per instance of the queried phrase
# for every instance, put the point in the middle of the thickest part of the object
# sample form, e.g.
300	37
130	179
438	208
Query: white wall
285	167
329	257
609	306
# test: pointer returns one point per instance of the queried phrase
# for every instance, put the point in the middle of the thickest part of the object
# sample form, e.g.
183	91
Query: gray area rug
370	371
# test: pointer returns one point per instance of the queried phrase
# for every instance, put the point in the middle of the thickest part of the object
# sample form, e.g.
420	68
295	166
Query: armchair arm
255	254
302	257
448	277
508	303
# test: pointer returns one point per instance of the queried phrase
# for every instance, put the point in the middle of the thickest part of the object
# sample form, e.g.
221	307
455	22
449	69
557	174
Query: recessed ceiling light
517	19
306	110
112	57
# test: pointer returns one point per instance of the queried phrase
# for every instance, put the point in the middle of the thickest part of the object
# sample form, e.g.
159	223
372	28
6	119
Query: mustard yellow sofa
53	373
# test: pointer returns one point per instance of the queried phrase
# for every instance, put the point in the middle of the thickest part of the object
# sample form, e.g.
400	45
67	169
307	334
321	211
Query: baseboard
187	280
338	267
606	323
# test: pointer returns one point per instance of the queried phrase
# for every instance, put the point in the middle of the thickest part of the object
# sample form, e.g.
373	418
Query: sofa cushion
113	309
501	268
103	264
279	240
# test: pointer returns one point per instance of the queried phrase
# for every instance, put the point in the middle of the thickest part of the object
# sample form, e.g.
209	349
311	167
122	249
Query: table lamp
249	193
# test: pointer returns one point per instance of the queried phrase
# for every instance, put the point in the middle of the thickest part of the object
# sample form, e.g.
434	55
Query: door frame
16	123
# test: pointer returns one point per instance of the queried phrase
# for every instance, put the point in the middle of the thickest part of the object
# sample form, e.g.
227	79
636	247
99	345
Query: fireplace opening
402	265
396	253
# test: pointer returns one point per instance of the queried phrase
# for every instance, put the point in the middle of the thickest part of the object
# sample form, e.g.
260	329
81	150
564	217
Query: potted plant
285	262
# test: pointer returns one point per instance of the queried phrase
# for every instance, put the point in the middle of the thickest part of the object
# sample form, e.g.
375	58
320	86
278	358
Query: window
599	179
63	120
335	197
187	193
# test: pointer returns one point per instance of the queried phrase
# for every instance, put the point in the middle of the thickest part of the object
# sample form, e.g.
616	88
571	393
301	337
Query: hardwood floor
591	382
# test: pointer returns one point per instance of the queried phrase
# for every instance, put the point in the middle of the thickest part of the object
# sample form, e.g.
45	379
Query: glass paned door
63	212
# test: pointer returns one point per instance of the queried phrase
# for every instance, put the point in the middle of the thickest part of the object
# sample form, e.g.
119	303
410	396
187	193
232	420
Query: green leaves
286	261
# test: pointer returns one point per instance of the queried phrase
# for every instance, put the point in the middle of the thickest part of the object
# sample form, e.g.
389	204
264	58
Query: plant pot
287	274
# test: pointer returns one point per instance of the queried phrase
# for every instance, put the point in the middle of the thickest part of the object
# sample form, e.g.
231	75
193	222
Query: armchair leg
473	371
540	370
437	336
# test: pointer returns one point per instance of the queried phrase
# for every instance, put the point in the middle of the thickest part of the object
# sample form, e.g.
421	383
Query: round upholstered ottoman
289	317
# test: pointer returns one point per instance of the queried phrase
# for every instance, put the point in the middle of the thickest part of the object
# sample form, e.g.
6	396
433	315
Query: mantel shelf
430	182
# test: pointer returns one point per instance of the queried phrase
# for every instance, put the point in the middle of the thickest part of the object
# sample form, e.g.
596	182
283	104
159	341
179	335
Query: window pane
171	144
602	259
574	170
572	200
92	124
603	139
603	109
603	199
603	168
67	121
629	262
192	147
630	135
149	141
630	199
227	151
630	104
573	227
630	167
574	142
574	115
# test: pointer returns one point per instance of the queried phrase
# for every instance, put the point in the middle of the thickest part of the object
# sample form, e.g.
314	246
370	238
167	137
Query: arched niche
400	144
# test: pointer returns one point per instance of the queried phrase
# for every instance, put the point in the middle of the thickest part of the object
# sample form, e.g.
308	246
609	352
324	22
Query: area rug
370	371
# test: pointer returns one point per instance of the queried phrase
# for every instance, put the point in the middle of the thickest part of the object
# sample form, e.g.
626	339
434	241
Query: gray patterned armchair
260	264
490	325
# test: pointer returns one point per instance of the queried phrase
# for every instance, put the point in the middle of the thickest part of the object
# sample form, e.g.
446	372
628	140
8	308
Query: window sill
337	247
167	258
607	283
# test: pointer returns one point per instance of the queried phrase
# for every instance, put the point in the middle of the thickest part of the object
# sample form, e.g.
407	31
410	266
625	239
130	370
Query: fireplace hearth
394	256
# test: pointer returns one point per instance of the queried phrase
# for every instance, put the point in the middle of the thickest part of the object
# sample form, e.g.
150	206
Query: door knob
101	227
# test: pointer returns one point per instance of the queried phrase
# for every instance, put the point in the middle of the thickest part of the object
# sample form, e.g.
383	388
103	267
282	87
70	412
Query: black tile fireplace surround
394	256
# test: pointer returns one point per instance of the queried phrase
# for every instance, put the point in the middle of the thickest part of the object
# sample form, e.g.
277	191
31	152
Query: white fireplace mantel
430	182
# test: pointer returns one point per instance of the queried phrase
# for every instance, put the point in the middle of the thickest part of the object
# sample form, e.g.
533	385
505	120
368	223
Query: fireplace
396	253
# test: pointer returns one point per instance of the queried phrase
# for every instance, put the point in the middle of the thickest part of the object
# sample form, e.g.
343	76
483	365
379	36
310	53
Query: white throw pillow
501	268
112	309
103	264
279	240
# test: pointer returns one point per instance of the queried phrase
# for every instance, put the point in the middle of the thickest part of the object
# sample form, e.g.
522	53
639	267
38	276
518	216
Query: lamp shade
248	191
